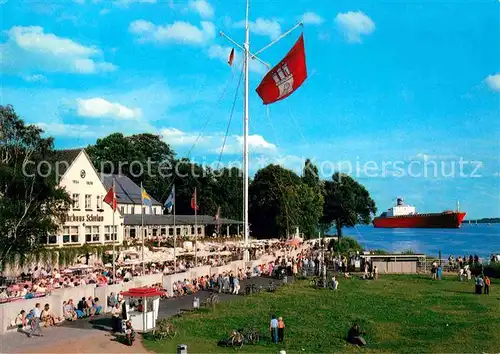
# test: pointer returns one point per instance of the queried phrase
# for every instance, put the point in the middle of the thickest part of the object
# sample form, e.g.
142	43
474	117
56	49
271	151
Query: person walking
487	284
281	330
273	328
35	322
236	285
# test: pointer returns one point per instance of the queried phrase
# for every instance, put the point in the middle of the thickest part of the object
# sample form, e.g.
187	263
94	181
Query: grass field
399	314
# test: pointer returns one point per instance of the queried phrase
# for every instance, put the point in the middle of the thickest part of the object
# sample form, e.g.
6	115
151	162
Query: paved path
86	336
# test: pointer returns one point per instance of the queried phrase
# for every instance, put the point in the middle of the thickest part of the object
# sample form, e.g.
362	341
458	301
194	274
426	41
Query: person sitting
47	318
21	321
83	307
354	335
69	312
96	306
334	284
140	306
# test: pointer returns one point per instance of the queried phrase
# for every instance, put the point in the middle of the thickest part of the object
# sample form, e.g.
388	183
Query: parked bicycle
252	289
213	299
251	336
236	339
164	330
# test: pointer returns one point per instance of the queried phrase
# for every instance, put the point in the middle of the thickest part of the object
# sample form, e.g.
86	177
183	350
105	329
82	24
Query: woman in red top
487	284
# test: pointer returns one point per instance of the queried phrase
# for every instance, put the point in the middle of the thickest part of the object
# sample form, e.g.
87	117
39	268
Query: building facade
88	220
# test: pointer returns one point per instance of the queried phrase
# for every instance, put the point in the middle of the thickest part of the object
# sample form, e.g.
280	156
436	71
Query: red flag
231	57
194	205
110	198
282	80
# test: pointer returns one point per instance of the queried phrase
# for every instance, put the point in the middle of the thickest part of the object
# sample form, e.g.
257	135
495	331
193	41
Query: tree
310	175
145	158
347	203
280	202
31	203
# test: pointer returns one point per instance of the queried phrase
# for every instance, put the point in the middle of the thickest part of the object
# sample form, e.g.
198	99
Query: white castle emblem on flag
284	80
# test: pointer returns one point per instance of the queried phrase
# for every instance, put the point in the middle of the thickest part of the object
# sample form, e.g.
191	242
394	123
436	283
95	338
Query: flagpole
245	138
175	236
113	233
142	231
195	228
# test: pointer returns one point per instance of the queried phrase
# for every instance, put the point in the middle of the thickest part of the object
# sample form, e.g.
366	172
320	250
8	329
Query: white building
89	219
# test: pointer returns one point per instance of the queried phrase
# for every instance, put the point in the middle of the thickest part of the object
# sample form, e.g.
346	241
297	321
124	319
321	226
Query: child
281	330
273	328
129	332
487	284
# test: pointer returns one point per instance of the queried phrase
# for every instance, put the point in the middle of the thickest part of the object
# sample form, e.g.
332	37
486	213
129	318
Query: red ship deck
437	220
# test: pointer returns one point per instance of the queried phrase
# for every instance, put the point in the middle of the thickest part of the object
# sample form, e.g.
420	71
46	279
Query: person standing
116	320
487	284
281	330
236	285
273	328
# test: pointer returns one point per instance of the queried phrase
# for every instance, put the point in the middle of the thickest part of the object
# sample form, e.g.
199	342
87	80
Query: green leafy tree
31	203
347	203
144	158
280	202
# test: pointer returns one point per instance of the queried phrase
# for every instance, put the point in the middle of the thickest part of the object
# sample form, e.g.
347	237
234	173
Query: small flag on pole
231	58
169	203
194	204
110	198
146	199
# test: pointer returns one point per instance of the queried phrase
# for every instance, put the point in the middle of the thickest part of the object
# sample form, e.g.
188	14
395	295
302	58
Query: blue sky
411	82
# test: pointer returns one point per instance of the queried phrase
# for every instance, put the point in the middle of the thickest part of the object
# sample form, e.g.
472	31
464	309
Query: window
155	232
192	230
154	211
76	201
107	232
74	234
170	231
88	233
98	202
52	239
96	234
92	234
132	210
132	232
178	231
199	230
65	234
163	231
88	202
122	209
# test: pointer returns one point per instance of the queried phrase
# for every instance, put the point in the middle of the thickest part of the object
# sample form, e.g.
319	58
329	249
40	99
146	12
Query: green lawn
399	314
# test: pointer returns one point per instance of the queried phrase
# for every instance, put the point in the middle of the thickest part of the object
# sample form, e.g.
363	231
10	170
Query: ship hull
438	220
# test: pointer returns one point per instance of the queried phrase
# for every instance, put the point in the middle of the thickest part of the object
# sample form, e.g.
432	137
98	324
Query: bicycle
251	336
236	340
164	330
252	289
213	299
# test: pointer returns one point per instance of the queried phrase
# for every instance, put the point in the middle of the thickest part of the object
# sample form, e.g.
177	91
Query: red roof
142	292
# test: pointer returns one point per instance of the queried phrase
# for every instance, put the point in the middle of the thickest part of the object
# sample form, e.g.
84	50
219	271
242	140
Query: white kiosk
145	312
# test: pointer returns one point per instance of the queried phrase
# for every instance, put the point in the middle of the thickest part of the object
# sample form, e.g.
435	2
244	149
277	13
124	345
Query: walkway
85	336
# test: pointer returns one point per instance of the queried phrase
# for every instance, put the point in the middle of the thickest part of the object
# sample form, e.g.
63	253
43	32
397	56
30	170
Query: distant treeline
484	221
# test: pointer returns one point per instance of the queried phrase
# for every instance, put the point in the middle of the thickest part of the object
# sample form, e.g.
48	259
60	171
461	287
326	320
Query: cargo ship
405	216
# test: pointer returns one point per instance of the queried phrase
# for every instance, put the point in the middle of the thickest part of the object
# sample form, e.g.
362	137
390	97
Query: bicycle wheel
237	341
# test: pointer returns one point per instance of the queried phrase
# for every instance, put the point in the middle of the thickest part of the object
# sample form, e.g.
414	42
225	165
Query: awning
142	292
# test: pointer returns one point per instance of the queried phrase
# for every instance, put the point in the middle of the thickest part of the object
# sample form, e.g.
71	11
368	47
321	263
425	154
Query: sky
403	95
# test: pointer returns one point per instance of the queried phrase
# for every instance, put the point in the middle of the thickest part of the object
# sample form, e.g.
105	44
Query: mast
246	256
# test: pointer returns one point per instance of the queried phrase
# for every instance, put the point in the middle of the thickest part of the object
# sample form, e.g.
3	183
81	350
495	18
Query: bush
345	246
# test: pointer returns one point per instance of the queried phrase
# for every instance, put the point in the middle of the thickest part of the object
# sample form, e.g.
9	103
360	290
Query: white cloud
262	27
104	12
99	107
30	48
177	32
354	25
212	142
311	18
35	78
493	82
216	51
70	130
202	7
